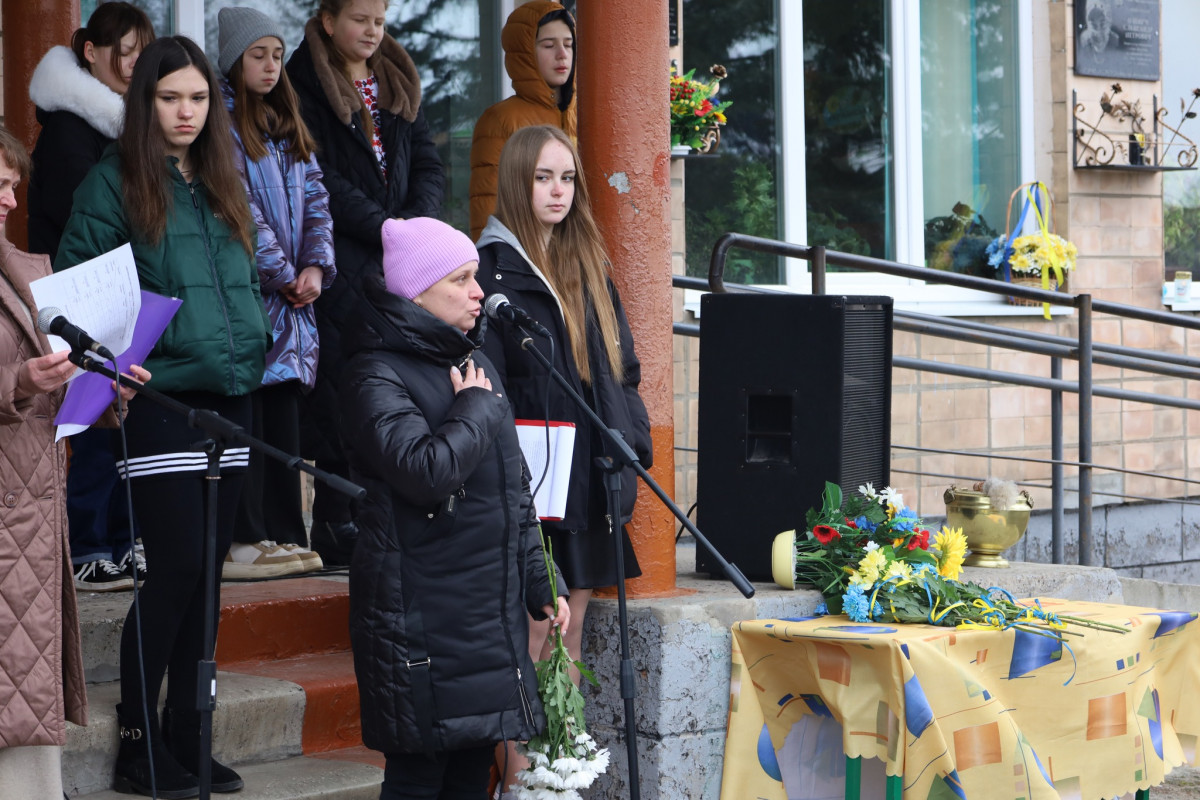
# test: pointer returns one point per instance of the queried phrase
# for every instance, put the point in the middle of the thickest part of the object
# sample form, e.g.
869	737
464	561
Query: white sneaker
266	559
309	558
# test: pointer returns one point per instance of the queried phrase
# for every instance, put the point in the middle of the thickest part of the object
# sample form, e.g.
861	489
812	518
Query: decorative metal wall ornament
1132	147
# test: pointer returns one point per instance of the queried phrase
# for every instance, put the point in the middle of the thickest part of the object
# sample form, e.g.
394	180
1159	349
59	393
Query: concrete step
331	710
259	620
286	689
294	779
257	720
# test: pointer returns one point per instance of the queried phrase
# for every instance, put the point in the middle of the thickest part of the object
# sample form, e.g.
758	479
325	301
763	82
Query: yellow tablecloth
967	714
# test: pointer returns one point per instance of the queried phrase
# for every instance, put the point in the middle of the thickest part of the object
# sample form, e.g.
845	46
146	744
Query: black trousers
270	506
169	502
449	775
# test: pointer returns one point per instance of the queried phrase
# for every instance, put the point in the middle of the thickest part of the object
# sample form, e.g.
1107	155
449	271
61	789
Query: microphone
498	307
51	320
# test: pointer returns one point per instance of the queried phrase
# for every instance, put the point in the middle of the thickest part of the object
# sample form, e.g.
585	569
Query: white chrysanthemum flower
869	546
890	496
542	793
537	758
548	778
580	780
566	765
868	491
600	761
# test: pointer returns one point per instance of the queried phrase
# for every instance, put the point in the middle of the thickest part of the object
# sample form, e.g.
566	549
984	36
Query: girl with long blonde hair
543	251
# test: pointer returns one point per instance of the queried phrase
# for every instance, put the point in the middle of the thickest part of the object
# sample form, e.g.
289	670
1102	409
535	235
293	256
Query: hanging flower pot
694	112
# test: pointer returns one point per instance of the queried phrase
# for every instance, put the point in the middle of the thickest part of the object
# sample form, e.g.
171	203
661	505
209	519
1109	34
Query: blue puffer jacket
291	208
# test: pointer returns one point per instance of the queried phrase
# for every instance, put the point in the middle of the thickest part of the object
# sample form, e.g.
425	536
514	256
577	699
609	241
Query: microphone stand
219	433
619	456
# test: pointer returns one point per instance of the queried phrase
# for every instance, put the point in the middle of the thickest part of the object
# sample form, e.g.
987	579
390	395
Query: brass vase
989	531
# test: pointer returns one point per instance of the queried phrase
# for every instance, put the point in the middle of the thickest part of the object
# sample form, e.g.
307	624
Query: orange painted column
31	27
624	142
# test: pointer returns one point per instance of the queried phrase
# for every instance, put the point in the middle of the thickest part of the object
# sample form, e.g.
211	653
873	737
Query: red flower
825	534
850	523
919	539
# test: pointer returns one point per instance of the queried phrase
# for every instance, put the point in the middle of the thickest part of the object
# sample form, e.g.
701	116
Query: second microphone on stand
498	307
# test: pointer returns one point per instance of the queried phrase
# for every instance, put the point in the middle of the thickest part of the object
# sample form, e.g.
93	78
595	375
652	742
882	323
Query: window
736	190
161	13
902	129
454	43
1181	190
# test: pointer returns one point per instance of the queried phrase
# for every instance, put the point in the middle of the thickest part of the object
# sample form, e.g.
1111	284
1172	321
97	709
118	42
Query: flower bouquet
564	758
693	112
872	559
1040	259
1031	255
863	529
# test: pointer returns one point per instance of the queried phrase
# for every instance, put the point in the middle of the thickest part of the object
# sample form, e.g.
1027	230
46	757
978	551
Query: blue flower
998	251
864	524
822	609
855	604
905	520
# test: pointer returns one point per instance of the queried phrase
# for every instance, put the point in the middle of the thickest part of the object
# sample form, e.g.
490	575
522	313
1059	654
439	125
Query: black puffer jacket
360	198
504	268
451	585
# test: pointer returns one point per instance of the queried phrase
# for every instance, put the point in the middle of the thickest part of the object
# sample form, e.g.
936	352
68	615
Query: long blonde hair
574	260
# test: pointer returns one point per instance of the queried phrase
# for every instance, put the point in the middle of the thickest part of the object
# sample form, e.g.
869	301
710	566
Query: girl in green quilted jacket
169	186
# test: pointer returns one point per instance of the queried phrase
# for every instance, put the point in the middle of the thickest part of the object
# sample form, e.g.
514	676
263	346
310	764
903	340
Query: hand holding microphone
51	320
498	307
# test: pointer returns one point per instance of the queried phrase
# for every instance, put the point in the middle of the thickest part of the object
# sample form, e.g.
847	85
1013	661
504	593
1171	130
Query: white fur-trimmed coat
80	117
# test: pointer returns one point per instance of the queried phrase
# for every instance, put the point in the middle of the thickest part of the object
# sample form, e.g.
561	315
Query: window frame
908	200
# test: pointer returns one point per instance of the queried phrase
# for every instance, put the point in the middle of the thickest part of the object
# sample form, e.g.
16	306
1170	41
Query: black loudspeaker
795	390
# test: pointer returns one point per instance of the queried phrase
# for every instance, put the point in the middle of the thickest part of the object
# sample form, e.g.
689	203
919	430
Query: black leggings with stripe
168	486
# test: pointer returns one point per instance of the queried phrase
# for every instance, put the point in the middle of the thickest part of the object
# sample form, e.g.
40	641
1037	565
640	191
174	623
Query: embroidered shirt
369	89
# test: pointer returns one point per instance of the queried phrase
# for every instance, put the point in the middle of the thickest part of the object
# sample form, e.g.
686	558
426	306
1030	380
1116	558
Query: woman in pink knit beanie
448	560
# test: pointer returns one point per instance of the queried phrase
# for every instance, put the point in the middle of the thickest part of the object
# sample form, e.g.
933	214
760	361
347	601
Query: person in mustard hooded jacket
539	56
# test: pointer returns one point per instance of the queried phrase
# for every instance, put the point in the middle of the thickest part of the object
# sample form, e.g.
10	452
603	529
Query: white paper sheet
101	296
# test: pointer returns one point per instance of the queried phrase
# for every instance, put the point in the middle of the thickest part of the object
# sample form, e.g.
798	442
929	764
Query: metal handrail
1081	349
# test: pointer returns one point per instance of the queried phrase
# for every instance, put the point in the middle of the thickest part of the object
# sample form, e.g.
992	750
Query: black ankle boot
132	774
334	541
181	732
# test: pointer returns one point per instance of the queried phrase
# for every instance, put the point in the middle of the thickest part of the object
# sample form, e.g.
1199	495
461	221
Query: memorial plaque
1118	38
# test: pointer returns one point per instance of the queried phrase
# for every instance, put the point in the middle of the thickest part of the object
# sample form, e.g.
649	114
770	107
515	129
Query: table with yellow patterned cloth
964	713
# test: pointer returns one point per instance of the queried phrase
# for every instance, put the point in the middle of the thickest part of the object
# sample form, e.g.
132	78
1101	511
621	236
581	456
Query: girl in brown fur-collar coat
360	96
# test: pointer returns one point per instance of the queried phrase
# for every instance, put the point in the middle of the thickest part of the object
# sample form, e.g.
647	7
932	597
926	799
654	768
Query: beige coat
41	663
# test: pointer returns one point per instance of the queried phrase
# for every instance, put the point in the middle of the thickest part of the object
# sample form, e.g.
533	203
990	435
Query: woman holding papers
449	562
41	663
169	187
543	251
